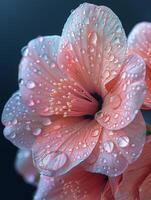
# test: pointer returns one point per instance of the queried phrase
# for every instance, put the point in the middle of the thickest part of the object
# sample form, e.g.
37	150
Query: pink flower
76	184
24	166
140	42
79	97
135	182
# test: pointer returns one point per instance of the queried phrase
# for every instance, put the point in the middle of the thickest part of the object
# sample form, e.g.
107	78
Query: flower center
100	103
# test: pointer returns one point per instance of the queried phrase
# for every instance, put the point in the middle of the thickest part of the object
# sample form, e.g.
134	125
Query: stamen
100	103
99	100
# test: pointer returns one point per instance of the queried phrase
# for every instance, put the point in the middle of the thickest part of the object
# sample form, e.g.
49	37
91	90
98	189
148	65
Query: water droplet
108	146
31	85
92	50
123	141
41	39
107	119
108	48
14	122
30	178
117	40
116	115
136	111
106	74
54	160
37	131
20	81
111	133
115	155
12	135
56	127
94	38
115	101
87	20
31	102
53	65
24	51
9	133
111	58
124	87
104	160
83	51
46	122
46	109
95	133
119	29
28	128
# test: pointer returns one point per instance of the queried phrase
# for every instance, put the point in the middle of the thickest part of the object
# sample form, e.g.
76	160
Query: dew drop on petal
107	118
40	39
95	133
116	115
87	21
24	51
31	85
46	121
116	101
30	178
106	74
56	127
54	160
31	102
46	109
84	145
92	50
108	146
53	65
123	141
94	38
13	135
37	131
8	132
14	122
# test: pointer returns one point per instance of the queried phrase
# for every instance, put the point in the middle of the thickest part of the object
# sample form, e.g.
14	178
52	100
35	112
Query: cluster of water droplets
95	54
22	122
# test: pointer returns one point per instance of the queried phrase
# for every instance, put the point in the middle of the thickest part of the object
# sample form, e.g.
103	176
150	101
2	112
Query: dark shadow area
21	21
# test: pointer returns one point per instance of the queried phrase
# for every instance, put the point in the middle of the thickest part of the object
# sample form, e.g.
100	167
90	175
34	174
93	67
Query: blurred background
21	21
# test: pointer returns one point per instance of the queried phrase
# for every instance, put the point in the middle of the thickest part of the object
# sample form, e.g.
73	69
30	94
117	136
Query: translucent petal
92	46
77	184
139	41
24	166
136	179
47	89
64	145
122	103
22	123
119	148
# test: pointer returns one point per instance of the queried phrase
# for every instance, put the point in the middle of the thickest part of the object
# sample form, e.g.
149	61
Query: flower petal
133	177
64	145
45	88
24	166
107	193
147	100
77	184
122	104
22	123
119	148
139	41
144	189
92	46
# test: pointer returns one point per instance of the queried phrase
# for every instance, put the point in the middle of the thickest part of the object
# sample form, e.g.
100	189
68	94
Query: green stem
148	129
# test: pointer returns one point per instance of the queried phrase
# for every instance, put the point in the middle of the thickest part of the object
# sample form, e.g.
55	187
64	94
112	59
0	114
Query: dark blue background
21	21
